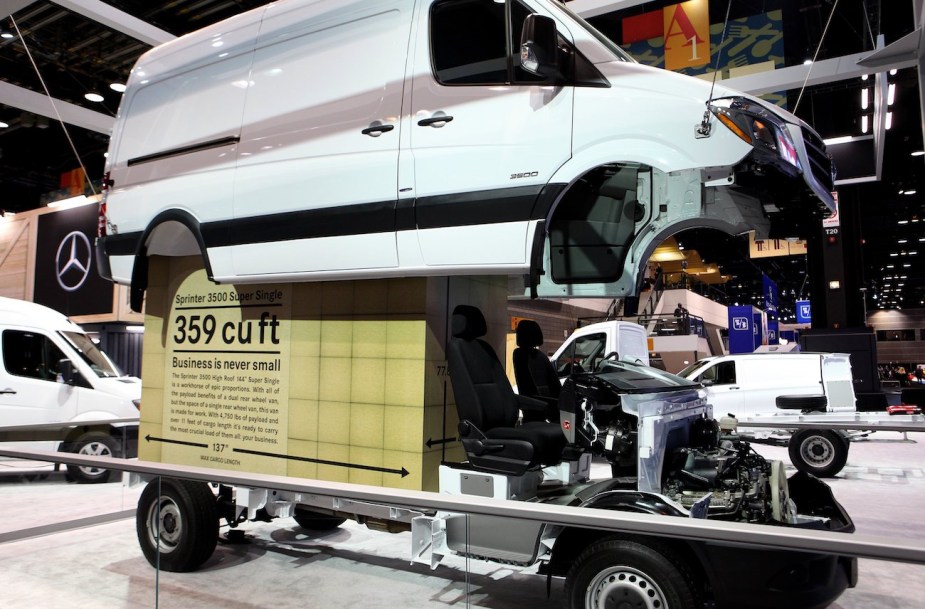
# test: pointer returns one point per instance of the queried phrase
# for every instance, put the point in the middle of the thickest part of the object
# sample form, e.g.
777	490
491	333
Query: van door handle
377	130
433	121
7	391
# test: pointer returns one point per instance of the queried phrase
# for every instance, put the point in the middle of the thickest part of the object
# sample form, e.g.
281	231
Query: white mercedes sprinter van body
52	372
324	139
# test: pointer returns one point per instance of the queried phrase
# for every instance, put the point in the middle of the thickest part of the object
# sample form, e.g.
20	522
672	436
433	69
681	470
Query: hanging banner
687	34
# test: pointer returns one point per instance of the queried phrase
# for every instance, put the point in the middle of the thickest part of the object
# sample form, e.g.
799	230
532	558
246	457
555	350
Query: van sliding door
315	188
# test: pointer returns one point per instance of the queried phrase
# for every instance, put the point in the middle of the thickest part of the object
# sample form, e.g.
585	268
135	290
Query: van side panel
177	142
312	191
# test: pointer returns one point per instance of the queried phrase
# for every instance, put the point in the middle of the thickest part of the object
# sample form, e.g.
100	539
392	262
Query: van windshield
98	361
687	371
612	46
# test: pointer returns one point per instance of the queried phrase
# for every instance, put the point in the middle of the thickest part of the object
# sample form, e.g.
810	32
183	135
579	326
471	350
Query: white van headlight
757	126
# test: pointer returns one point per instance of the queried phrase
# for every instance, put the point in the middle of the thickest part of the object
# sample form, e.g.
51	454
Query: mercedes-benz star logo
72	262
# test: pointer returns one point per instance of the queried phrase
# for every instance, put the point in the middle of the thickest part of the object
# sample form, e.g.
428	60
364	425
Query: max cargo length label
227	376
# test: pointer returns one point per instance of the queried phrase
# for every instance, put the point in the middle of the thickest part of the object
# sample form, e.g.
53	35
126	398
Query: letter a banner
687	34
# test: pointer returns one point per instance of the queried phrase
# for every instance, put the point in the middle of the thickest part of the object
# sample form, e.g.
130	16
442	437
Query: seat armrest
531	404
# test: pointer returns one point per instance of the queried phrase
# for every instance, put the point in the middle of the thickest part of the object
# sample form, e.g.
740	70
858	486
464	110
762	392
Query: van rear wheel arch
171	233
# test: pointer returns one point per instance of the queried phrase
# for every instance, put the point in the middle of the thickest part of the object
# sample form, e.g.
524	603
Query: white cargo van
590	345
349	139
752	385
52	372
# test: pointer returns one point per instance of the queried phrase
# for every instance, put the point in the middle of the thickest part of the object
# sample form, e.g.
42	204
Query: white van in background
52	372
750	385
589	345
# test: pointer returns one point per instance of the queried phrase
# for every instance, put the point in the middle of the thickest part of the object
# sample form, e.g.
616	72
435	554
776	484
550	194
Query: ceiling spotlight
918	153
865	99
865	123
891	94
893	72
7	35
889	120
118	87
908	192
4	125
807	62
94	97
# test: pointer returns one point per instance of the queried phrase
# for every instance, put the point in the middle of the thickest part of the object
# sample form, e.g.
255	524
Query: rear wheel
178	520
97	444
820	452
621	573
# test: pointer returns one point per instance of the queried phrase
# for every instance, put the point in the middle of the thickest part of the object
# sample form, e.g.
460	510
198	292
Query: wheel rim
818	451
96	449
165	525
624	588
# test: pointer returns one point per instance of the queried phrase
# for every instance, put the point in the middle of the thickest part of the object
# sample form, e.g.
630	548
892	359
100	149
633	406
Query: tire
182	518
811	403
315	521
98	444
622	573
820	452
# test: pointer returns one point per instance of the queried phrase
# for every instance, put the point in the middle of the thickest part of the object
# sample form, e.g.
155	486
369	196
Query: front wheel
820	452
622	573
177	524
97	444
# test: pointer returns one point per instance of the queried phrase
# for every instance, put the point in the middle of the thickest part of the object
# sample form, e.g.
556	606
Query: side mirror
67	374
707	383
539	45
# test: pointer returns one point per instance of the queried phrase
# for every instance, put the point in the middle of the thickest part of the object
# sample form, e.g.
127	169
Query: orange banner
687	34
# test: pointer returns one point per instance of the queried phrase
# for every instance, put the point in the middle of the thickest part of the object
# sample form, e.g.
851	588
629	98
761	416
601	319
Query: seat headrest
529	334
468	322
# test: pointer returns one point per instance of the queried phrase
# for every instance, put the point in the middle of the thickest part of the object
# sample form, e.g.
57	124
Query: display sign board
804	312
687	34
745	329
65	269
773	333
768	248
227	377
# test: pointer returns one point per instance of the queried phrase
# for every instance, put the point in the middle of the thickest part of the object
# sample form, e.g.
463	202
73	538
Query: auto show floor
68	545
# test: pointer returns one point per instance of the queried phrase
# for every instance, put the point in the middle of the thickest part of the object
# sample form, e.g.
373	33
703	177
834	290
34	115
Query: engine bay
666	442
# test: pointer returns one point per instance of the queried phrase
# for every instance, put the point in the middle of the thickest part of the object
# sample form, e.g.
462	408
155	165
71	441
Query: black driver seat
488	407
535	375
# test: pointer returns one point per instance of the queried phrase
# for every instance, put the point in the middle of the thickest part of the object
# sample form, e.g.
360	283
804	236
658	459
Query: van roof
770	354
32	315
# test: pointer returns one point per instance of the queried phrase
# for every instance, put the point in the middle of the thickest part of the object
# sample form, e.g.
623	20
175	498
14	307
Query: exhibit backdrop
65	267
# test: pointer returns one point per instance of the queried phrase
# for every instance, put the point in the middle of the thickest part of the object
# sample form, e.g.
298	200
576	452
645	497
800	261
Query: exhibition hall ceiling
76	55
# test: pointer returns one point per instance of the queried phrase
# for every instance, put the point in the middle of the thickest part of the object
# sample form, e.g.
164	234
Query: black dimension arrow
403	472
431	442
150	438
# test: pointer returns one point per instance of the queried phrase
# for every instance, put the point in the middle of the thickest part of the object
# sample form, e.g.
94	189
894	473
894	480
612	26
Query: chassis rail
862	546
